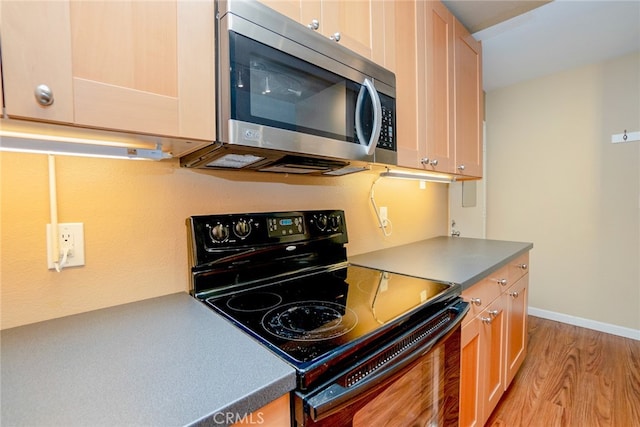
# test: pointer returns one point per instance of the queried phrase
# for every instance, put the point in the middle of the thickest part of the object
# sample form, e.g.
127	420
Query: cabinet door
154	67
409	143
493	341
144	67
471	374
468	103
350	23
437	99
516	345
36	50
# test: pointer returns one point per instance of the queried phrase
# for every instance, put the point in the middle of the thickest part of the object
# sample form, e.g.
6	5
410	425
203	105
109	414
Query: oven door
392	388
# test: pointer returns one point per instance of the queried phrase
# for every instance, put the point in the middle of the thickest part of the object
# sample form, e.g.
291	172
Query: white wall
555	179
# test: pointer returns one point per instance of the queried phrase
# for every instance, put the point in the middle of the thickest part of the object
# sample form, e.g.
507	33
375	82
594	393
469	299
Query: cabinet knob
461	168
486	320
493	313
335	37
476	301
523	266
315	24
514	294
44	95
502	282
428	162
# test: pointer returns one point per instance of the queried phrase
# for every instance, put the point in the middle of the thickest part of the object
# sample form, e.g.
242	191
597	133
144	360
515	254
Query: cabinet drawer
483	293
518	268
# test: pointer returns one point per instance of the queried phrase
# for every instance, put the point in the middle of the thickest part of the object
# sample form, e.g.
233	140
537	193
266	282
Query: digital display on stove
285	226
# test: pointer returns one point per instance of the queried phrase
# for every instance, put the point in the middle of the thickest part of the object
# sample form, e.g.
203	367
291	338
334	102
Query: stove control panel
215	236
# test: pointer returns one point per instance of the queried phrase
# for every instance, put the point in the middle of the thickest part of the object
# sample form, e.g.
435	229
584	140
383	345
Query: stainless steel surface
269	144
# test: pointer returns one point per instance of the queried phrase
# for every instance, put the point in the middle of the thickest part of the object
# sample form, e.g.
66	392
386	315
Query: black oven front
412	380
360	339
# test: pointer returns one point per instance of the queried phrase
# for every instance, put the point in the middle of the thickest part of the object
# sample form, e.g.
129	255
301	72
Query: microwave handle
367	86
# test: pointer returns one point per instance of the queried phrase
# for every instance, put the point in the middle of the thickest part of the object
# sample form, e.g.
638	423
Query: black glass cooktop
307	318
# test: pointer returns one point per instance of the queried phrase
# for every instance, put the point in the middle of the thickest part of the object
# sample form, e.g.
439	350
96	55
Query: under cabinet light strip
48	138
46	144
417	176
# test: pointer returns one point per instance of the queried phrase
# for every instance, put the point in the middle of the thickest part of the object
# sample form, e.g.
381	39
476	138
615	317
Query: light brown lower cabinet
274	414
494	339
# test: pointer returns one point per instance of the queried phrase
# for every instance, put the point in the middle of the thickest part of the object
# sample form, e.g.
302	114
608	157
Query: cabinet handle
476	301
486	320
44	95
335	37
493	313
461	168
427	162
514	294
315	24
523	266
502	282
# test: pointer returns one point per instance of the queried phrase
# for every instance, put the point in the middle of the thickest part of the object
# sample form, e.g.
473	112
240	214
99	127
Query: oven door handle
336	397
367	85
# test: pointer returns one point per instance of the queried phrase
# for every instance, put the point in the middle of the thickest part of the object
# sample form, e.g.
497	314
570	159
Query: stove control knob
219	233
334	222
321	222
242	228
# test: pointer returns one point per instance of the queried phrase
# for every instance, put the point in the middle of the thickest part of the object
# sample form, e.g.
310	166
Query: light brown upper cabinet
439	91
468	103
144	67
366	27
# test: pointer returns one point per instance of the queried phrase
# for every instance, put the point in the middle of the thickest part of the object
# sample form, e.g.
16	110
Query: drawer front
483	293
518	267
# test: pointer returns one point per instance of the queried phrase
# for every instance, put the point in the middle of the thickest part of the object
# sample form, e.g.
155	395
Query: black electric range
284	279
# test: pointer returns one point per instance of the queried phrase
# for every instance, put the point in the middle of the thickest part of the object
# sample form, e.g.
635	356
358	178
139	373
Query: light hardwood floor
573	376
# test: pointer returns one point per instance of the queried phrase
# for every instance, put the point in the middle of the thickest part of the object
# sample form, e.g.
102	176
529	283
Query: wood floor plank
573	376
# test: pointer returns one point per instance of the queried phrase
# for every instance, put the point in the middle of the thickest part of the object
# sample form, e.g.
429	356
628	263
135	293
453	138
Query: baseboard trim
586	323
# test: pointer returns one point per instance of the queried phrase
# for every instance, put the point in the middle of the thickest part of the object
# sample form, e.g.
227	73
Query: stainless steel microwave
291	100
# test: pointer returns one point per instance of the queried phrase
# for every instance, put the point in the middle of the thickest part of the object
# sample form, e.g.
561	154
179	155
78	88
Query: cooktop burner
256	301
310	321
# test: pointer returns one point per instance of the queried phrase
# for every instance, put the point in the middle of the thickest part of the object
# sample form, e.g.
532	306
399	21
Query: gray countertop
448	259
165	361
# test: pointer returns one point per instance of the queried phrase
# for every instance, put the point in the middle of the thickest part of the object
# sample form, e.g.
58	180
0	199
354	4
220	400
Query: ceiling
522	40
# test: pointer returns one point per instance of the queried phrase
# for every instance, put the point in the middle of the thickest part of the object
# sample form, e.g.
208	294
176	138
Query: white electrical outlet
70	239
383	215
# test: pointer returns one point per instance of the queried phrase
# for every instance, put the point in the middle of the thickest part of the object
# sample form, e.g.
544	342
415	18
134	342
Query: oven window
414	399
426	393
272	88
